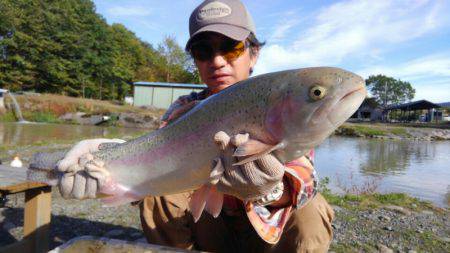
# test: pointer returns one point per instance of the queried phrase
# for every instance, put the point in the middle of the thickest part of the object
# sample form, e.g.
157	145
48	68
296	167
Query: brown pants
166	221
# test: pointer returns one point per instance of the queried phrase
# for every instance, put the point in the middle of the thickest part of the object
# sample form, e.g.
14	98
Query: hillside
63	109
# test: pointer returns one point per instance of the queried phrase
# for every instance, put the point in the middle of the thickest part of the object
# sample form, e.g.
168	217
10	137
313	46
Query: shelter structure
367	111
421	110
445	111
161	95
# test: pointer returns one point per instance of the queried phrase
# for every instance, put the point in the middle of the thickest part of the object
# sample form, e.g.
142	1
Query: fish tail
50	177
42	168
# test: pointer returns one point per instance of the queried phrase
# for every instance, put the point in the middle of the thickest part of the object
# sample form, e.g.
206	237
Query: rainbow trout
288	112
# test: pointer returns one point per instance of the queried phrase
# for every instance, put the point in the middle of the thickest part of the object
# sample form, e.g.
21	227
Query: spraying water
17	110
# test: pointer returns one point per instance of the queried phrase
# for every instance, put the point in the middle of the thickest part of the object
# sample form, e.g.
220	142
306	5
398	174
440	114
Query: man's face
218	72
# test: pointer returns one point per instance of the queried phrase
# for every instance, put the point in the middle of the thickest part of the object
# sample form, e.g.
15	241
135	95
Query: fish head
314	103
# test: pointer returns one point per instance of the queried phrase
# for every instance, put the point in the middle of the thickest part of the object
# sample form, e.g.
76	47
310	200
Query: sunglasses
229	49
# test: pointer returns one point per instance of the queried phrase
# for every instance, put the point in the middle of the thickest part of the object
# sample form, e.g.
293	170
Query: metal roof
446	104
3	91
171	85
416	105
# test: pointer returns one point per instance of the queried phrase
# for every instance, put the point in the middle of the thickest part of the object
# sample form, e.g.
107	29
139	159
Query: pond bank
391	131
393	222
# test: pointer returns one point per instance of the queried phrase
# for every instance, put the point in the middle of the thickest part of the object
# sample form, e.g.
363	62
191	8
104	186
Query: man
268	206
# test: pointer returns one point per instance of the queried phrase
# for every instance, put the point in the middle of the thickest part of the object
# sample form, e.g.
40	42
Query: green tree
66	47
174	63
387	90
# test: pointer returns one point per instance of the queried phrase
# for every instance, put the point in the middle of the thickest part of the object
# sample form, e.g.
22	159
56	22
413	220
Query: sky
408	40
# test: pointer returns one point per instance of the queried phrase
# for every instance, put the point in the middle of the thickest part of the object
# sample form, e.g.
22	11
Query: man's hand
250	181
82	173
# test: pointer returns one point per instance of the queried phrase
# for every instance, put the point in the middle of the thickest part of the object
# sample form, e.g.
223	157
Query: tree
175	63
66	47
387	90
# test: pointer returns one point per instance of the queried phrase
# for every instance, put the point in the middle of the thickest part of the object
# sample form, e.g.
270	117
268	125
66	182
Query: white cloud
352	29
129	11
435	65
281	31
429	75
438	92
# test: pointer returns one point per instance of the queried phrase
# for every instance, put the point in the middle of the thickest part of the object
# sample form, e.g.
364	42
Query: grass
49	107
43	117
399	131
354	130
369	131
427	241
7	117
372	130
377	200
368	200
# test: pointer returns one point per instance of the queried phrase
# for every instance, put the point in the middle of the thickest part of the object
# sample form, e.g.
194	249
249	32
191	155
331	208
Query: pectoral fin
215	202
206	198
197	202
251	147
254	149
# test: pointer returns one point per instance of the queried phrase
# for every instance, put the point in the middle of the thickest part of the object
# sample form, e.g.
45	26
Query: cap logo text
213	10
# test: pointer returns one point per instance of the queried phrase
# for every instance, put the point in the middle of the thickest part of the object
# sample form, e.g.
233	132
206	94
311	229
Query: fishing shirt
300	179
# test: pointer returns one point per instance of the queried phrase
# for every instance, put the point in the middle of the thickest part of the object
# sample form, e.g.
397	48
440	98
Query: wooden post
37	217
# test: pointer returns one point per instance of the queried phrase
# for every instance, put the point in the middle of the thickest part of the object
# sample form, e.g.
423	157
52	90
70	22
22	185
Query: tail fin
43	167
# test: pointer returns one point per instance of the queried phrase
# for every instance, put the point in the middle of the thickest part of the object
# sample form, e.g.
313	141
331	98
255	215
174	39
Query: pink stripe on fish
168	149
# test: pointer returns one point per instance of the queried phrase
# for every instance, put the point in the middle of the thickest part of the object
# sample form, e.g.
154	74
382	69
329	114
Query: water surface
419	168
20	134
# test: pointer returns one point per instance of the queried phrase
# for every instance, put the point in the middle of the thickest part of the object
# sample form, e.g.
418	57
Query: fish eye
317	92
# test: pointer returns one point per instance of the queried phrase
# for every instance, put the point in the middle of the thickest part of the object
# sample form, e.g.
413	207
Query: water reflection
393	157
18	134
421	168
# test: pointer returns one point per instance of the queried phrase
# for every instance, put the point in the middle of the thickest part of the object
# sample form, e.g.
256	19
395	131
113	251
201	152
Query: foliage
43	117
7	117
387	90
65	47
352	130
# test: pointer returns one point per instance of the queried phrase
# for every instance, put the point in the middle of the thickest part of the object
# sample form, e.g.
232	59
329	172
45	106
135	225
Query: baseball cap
227	17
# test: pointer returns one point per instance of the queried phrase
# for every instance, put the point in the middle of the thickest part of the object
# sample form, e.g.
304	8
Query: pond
19	134
419	168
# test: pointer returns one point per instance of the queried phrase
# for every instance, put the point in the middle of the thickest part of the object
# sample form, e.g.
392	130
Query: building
445	111
161	95
367	111
421	110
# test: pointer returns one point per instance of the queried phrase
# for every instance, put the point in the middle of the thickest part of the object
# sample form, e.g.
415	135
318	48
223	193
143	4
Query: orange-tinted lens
232	53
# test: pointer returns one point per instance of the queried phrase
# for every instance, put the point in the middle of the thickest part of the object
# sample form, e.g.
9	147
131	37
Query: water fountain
17	110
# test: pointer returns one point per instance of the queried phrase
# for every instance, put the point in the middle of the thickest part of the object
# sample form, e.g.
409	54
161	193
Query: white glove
83	175
249	181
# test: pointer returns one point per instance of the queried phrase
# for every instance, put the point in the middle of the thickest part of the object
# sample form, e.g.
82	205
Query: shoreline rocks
392	132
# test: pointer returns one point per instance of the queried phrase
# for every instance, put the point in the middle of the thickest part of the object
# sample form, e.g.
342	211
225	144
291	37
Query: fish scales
277	108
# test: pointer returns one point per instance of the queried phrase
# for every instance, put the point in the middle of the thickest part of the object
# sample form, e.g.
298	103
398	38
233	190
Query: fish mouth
347	105
359	89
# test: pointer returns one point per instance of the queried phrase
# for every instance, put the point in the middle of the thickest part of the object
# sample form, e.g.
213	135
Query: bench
37	209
